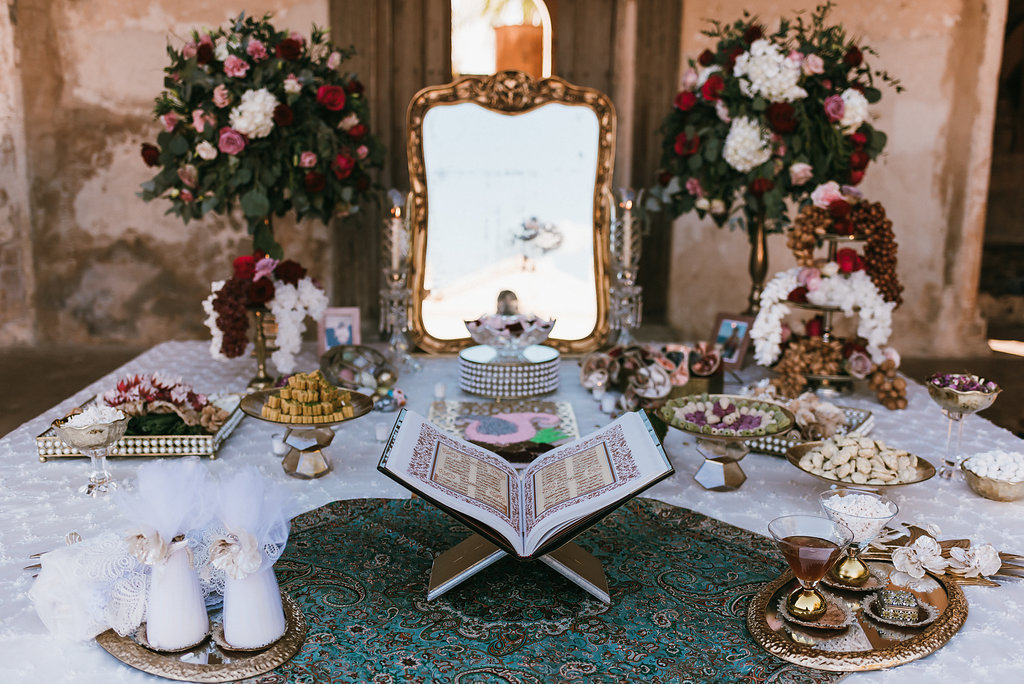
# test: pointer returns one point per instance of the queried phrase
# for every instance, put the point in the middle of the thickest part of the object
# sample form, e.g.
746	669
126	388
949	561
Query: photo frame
338	326
732	333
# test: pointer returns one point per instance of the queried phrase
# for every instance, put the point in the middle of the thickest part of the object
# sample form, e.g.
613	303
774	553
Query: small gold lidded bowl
990	487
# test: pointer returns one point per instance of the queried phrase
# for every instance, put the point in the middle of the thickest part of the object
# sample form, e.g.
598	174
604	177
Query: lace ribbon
237	553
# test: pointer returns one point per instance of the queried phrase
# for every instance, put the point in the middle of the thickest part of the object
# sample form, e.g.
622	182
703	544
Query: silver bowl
509	335
957	401
990	487
90	437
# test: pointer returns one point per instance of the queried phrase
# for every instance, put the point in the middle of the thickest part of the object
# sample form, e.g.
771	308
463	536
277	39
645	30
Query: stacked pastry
306	400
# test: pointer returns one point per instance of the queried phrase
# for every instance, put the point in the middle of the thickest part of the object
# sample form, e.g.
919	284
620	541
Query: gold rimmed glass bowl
95	440
811	545
841	506
959	395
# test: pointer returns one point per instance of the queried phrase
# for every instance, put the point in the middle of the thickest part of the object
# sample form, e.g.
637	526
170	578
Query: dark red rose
289	272
733	56
150	154
713	87
687	146
839	208
204	53
853	346
331	97
849	261
826	84
283	115
358	131
289	48
706	59
354	87
315	181
842	227
245	267
859	140
664	178
260	291
856	177
798	294
853	57
363	183
685	100
759	186
859	160
343	165
814	327
781	117
752	33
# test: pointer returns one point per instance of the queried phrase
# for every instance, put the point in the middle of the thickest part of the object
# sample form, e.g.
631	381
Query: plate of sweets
306	399
726	416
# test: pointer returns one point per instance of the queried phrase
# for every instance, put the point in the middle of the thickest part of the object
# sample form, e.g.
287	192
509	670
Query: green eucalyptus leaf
255	204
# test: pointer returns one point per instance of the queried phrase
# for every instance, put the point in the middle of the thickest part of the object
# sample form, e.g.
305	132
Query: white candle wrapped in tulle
254	513
169	499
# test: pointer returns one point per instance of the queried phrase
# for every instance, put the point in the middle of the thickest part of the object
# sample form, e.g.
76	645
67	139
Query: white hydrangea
857	294
856	110
254	115
763	70
747	145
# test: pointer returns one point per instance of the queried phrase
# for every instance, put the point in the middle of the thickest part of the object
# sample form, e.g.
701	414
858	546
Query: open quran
535	510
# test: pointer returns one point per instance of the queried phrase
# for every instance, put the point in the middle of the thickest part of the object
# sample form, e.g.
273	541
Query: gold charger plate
208	662
887	647
925	470
252	405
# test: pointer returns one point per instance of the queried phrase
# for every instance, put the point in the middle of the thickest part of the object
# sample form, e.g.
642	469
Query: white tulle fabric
255	513
39	505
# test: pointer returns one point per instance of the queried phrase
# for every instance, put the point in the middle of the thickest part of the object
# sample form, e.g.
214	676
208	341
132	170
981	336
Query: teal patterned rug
680	583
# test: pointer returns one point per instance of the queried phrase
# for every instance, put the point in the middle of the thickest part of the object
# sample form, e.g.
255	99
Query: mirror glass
510	205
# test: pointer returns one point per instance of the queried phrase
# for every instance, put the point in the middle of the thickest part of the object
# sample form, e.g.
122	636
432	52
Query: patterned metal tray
49	445
859	422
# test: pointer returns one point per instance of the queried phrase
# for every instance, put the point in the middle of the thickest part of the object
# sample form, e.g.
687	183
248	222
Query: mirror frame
510	93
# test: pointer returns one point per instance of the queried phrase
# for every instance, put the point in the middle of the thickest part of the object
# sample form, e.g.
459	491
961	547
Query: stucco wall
932	179
105	266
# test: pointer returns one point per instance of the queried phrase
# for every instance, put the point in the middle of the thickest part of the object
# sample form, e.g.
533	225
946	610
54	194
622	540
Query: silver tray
858	422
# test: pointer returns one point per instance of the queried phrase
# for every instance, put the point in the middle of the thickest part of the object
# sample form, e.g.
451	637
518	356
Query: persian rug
680	583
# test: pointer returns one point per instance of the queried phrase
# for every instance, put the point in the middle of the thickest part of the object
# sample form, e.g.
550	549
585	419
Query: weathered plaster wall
932	180
107	266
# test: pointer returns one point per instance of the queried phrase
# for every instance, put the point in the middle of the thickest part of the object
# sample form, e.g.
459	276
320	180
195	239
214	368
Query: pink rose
264	267
169	120
858	365
800	173
693	187
307	160
809	278
834	107
333	60
221	96
188	50
256	50
825	194
200	118
690	79
230	141
235	67
796	56
362	151
189	175
813	64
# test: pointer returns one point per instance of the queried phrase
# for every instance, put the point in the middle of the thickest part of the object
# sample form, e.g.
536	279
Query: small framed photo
732	334
339	326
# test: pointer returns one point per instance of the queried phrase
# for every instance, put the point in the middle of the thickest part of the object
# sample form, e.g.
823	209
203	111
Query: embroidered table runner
680	583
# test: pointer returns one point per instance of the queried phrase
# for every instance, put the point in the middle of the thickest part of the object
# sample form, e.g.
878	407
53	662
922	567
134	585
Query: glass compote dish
810	544
509	335
93	432
959	395
865	514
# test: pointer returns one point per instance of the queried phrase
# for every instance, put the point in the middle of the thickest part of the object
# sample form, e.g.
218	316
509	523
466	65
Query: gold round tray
731	438
208	662
886	646
252	405
925	470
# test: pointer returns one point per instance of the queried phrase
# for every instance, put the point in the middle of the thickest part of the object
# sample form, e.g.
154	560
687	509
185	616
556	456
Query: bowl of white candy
996	475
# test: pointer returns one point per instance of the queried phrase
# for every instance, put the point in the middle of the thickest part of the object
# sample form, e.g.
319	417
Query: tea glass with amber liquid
810	544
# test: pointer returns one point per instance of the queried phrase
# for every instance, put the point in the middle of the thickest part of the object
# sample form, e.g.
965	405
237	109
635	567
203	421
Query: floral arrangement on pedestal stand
845	282
763	118
261	286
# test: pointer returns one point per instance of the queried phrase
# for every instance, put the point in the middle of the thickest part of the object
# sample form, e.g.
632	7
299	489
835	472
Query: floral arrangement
263	117
163	405
763	118
262	282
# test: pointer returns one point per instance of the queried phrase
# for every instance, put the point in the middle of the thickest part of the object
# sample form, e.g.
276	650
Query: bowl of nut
996	475
859	462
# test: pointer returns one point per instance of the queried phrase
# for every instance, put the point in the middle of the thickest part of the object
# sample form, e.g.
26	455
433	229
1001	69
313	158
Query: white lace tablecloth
39	504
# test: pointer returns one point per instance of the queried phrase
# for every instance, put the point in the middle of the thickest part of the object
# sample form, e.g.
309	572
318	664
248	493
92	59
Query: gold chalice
810	544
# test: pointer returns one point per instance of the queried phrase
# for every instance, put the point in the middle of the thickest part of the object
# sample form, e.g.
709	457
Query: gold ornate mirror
510	191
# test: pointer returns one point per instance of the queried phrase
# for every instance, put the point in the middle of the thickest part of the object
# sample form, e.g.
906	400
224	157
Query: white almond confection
998	465
861	461
864	515
94	415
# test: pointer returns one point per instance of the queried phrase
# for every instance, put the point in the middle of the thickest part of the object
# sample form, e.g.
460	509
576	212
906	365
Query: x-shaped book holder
462	561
